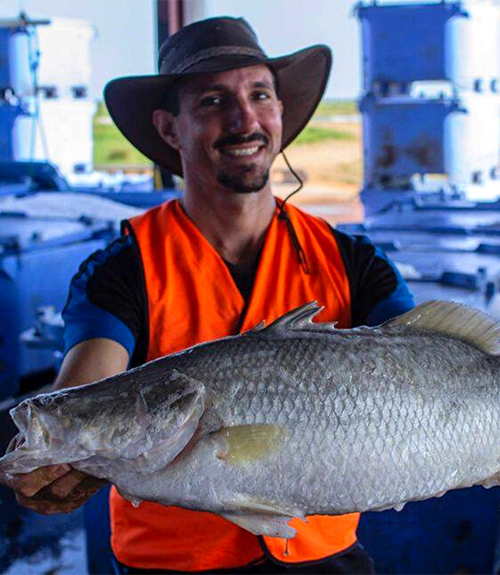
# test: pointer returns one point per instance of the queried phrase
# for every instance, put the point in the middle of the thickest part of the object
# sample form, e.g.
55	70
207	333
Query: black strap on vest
283	216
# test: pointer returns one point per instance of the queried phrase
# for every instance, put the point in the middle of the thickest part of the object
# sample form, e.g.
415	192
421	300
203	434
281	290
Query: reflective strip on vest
192	298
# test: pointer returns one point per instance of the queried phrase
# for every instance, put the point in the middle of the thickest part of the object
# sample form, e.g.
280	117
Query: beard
249	181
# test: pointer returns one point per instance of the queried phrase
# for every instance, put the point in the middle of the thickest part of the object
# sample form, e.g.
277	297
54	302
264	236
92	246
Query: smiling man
231	121
219	261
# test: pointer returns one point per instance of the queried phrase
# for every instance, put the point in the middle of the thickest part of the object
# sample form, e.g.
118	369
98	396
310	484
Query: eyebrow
223	87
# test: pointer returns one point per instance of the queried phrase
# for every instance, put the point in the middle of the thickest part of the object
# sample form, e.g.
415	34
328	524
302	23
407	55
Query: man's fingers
91	485
46	507
28	484
44	502
75	485
62	487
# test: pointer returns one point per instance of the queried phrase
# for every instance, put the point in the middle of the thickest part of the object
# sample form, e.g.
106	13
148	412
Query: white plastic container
471	143
61	134
65	55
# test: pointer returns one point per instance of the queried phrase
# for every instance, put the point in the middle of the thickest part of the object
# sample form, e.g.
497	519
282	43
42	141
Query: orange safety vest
192	298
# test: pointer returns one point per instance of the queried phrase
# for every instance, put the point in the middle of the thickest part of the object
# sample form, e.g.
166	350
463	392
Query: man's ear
164	124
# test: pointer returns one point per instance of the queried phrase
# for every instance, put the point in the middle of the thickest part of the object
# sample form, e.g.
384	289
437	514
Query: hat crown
213	37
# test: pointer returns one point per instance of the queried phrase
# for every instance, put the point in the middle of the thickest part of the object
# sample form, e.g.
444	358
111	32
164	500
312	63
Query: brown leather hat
207	46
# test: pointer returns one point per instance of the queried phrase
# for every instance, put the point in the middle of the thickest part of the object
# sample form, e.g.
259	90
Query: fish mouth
37	444
38	428
22	415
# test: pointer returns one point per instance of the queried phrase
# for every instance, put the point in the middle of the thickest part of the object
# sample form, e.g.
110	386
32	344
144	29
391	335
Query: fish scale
292	419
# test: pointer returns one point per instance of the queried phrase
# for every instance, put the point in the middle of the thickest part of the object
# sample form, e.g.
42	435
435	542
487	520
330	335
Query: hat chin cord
283	215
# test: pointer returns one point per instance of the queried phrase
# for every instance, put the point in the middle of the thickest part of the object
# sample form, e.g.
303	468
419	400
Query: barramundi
288	420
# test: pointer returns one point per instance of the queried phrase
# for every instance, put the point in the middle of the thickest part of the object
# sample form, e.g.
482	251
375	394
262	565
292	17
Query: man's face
228	130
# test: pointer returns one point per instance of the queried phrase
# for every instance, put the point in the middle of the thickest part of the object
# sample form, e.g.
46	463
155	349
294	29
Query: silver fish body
290	420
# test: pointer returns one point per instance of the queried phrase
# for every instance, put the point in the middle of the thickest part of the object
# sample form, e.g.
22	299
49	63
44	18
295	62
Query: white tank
65	55
472	47
60	134
471	140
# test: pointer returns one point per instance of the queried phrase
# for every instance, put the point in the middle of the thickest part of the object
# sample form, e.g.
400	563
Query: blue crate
37	261
406	43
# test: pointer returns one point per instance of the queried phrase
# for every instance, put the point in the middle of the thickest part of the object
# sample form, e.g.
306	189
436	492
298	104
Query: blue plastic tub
37	261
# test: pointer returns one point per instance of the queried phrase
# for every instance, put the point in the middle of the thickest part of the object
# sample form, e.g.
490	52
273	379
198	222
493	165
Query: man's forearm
91	361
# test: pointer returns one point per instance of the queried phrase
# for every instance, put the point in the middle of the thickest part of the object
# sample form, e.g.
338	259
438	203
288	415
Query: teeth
242	151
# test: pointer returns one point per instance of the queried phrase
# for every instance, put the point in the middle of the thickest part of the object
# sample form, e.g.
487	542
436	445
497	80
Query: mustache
234	139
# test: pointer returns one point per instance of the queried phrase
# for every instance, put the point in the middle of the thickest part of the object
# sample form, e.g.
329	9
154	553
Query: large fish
292	419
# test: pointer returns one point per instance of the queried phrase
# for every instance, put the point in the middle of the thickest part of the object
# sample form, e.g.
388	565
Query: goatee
245	182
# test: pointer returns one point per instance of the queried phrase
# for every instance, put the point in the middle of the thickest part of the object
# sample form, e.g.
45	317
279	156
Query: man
219	261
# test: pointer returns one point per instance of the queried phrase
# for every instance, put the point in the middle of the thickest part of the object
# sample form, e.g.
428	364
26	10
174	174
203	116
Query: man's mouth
237	146
241	152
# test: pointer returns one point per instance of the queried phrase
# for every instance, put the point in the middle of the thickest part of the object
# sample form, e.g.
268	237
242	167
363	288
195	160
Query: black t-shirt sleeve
107	299
378	291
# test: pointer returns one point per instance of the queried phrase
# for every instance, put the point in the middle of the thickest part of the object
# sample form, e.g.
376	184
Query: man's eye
211	101
262	95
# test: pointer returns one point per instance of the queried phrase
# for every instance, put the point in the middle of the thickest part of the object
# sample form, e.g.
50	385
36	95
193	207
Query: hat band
211	53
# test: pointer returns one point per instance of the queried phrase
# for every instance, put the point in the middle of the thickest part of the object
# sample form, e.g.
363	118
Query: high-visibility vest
192	298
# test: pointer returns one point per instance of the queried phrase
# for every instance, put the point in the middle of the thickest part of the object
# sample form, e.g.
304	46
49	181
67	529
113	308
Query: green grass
111	148
102	111
315	134
337	108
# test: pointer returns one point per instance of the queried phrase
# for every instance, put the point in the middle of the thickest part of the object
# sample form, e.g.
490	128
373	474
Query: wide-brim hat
209	46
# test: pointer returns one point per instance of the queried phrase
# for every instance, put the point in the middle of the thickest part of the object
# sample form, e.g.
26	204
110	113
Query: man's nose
242	117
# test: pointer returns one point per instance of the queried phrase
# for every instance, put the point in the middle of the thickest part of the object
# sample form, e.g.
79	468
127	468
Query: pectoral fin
270	525
244	444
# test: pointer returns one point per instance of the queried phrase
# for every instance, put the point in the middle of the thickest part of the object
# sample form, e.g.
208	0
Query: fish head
141	425
40	428
42	438
85	421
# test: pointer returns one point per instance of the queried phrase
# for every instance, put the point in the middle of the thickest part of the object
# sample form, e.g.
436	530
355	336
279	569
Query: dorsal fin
298	319
259	327
454	319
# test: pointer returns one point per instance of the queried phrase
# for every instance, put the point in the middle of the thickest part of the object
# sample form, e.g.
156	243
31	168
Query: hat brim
302	78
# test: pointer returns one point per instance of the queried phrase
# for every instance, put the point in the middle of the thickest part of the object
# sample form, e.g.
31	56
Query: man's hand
54	488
